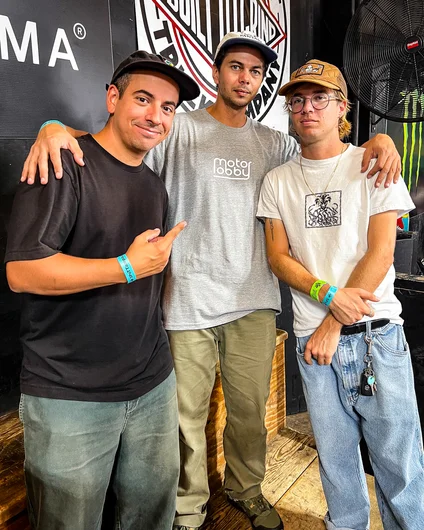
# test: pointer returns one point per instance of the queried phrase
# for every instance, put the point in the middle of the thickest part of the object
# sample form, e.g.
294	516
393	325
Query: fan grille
383	58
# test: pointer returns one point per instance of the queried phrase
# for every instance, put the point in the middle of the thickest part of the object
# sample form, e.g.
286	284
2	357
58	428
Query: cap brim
285	88
189	89
269	54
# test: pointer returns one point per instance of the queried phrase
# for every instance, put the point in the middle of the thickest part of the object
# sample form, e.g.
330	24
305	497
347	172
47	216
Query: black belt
361	326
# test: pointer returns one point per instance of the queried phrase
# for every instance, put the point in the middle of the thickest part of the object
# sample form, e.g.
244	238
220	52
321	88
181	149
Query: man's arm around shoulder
50	140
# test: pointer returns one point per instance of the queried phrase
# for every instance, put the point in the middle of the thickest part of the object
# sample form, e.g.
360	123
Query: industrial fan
383	58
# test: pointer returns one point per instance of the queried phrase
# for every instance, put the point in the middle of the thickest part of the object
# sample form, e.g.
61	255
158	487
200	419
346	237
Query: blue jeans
388	421
74	449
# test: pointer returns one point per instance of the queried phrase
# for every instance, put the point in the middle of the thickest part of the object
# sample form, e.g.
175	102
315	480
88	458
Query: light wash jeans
388	421
74	449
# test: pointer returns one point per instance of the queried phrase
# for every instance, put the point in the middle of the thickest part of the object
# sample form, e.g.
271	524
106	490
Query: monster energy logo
413	107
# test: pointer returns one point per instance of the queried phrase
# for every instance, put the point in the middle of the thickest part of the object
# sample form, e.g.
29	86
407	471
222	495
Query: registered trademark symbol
79	31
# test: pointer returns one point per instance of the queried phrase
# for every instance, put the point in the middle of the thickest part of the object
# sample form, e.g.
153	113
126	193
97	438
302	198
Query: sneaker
262	515
179	527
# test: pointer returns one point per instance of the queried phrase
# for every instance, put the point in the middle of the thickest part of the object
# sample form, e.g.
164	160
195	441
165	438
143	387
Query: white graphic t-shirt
327	229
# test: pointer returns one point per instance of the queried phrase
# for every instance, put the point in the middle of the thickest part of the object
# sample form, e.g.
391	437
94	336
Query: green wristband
315	289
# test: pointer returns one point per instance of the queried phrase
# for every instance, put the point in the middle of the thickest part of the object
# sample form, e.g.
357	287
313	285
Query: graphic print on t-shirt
233	169
323	209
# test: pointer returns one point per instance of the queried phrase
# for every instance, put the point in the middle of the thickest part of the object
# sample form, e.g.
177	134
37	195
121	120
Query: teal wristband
52	121
127	269
330	295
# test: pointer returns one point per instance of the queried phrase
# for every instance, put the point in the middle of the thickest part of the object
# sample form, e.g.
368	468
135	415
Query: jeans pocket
301	345
392	339
21	408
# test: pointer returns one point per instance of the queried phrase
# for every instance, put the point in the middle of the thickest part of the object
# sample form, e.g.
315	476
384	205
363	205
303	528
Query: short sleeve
395	197
268	200
290	148
42	218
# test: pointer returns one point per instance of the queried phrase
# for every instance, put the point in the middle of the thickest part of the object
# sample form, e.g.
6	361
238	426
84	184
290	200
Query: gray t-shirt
218	270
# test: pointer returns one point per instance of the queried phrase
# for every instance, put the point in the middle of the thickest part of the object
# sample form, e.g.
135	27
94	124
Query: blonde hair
345	127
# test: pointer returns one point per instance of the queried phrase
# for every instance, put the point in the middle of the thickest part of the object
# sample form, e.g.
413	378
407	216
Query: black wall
306	31
13	151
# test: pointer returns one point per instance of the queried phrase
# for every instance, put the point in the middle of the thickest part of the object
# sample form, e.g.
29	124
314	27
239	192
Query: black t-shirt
106	344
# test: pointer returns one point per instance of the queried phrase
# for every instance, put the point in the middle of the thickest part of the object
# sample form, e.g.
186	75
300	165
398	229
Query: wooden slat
11	453
12	492
303	506
10	427
214	430
19	522
376	523
12	486
288	456
275	419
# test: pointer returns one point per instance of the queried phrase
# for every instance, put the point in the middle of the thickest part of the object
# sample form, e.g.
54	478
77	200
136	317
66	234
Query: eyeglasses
319	101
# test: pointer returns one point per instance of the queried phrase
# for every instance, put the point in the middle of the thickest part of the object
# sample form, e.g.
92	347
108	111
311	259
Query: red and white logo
413	44
187	33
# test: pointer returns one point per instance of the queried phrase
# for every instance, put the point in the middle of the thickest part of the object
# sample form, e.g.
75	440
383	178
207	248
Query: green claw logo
412	138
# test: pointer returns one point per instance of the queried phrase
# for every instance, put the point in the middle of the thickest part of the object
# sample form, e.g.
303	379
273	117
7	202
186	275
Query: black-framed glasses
319	101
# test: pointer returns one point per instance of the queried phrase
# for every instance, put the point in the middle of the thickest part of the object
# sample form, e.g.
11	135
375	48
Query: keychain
368	385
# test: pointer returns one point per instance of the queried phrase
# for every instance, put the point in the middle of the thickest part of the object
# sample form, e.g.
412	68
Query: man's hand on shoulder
388	163
50	140
323	343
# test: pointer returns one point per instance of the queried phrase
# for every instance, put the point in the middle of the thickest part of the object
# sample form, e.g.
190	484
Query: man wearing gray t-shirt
220	297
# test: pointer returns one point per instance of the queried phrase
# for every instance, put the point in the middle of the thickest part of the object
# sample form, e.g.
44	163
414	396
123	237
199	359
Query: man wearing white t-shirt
329	232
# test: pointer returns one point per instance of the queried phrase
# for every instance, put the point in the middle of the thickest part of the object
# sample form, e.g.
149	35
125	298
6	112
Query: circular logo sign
79	31
187	32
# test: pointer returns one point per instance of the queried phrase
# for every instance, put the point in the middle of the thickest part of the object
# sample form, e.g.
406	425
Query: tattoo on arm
271	225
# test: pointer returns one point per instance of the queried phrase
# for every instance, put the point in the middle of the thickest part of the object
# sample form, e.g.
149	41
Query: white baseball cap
249	39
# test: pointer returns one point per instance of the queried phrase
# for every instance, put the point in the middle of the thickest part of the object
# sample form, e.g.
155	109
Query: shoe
179	527
262	515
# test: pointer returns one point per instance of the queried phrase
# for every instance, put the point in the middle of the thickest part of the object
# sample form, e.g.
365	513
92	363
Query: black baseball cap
142	60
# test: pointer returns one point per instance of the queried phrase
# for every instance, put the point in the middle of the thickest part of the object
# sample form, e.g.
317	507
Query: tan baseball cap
317	72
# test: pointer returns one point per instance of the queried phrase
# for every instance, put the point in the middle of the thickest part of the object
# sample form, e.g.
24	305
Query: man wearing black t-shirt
98	390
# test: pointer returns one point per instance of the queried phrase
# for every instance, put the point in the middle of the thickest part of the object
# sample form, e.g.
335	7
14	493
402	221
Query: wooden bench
12	485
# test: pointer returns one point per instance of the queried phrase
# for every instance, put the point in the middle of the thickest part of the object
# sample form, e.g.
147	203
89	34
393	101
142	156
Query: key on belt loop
368	340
